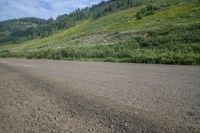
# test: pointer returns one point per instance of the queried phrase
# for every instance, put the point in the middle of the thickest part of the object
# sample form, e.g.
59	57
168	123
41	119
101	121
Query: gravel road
71	96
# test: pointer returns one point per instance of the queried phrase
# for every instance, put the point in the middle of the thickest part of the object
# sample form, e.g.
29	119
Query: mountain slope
23	29
157	32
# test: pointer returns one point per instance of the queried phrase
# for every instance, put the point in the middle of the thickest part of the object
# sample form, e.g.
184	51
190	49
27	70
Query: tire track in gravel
30	103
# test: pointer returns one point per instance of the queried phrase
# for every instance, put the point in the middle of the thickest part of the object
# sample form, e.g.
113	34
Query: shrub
148	10
138	15
7	53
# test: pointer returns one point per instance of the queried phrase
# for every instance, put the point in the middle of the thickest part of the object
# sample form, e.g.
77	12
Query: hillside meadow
159	32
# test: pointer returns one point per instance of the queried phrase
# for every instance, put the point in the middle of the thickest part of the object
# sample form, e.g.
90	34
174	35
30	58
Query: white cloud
40	8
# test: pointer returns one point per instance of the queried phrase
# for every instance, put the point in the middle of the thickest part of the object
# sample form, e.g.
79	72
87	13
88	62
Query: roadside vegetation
165	32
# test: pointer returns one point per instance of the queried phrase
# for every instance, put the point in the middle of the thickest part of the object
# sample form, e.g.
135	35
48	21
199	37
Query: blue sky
40	8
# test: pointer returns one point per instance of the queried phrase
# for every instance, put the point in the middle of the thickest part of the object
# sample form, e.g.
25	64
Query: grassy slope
183	15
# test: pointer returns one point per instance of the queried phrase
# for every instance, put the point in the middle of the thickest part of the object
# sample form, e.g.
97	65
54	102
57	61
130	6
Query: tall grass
170	35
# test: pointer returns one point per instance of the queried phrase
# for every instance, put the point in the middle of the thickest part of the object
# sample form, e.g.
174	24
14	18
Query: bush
164	57
148	10
138	15
7	53
195	47
168	45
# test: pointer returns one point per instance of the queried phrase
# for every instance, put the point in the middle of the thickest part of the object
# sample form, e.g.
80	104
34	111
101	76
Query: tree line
22	29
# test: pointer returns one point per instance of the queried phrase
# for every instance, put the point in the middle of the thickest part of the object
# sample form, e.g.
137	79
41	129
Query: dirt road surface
67	96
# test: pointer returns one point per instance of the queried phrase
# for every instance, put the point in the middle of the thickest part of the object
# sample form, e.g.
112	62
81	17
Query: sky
40	8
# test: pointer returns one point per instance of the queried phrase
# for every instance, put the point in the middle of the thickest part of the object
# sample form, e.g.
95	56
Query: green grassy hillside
161	31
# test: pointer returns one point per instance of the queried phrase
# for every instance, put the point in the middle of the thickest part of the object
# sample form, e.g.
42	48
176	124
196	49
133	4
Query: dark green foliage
163	46
164	42
4	37
148	10
29	28
138	15
7	53
116	53
19	30
171	37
